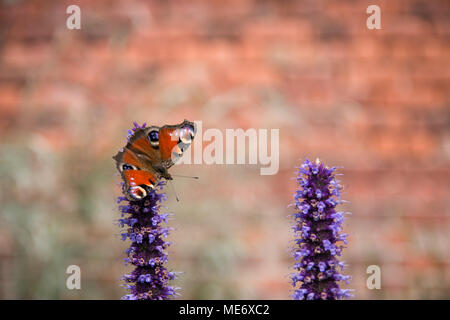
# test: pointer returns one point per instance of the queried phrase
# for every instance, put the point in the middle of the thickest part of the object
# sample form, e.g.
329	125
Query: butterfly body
149	153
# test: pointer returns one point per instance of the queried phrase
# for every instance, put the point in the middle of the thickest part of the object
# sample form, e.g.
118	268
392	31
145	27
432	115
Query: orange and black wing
134	164
174	140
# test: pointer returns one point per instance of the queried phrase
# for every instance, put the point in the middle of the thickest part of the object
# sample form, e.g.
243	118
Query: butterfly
149	153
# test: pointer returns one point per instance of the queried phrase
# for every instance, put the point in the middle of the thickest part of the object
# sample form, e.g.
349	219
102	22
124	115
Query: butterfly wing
174	140
134	164
136	178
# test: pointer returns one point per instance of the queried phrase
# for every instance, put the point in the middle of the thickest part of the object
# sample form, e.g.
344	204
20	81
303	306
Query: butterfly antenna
190	177
173	189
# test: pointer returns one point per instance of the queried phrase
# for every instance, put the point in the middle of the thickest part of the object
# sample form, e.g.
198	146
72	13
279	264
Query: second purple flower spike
319	239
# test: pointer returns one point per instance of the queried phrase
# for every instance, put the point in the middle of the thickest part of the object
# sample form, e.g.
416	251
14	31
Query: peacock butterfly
149	153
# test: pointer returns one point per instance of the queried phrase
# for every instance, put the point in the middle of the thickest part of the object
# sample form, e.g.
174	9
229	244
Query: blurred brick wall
374	101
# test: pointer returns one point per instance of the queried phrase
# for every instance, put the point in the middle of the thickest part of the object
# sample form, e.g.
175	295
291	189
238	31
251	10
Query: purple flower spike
142	223
318	242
